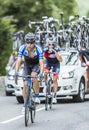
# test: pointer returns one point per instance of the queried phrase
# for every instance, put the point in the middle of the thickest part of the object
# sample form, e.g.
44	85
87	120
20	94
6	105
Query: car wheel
19	99
81	95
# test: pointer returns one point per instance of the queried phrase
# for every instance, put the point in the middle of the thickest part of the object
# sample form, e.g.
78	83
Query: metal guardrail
2	84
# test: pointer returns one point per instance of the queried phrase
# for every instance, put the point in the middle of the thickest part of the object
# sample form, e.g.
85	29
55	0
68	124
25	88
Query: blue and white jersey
37	54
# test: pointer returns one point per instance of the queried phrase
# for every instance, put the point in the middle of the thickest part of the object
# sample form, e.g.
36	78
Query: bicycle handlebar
38	23
25	76
28	76
50	71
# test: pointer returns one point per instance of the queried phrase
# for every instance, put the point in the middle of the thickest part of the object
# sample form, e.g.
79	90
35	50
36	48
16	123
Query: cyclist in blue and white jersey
33	58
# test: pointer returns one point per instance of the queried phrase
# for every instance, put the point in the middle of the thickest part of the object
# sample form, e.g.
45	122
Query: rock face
2	85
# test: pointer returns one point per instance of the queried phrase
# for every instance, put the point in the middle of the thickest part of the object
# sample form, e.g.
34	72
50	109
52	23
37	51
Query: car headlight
10	77
67	75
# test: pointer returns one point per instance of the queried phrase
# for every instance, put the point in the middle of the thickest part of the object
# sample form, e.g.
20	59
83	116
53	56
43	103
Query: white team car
19	86
10	85
72	79
9	81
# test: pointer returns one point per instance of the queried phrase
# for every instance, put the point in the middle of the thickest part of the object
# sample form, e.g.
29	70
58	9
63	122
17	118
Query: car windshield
72	60
21	67
65	57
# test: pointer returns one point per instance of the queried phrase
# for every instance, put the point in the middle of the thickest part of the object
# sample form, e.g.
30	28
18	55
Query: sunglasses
51	44
30	42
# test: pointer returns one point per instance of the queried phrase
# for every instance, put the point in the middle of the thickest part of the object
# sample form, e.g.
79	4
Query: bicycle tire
46	98
50	98
50	102
33	111
27	111
46	102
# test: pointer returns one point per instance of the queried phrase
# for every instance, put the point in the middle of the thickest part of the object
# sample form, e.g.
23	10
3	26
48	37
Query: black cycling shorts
55	67
29	69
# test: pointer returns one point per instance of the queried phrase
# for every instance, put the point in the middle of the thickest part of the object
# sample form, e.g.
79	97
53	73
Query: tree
67	7
87	14
15	14
5	42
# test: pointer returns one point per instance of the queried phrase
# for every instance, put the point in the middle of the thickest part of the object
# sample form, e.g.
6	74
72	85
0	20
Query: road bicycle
30	107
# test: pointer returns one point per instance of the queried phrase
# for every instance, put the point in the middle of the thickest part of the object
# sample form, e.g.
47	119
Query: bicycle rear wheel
46	102
50	102
47	96
50	95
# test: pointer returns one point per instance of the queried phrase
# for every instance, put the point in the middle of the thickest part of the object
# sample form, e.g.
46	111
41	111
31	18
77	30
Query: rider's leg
55	84
24	96
55	88
24	91
46	70
35	83
36	87
55	77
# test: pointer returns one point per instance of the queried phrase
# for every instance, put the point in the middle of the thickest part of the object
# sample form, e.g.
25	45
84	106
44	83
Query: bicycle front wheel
33	111
27	113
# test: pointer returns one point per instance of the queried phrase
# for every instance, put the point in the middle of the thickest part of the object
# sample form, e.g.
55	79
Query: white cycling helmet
30	37
51	40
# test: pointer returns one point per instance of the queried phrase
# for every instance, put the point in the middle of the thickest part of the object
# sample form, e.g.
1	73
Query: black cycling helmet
30	37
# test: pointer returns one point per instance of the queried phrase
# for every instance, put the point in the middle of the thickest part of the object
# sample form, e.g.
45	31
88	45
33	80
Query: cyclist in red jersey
53	58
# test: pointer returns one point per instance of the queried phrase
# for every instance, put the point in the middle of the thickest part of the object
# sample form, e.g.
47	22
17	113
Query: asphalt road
65	115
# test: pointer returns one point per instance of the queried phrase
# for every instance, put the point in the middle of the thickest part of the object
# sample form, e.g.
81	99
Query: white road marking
40	109
13	119
18	117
